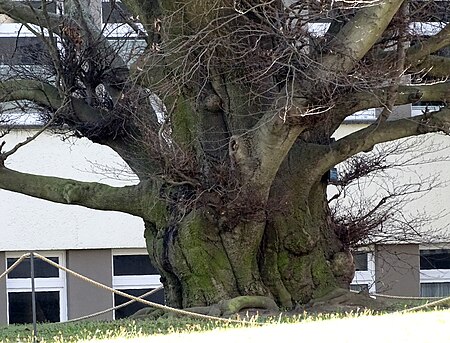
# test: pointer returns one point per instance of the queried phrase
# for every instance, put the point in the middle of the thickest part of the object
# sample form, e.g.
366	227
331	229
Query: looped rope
403	297
14	265
143	301
115	307
433	303
183	312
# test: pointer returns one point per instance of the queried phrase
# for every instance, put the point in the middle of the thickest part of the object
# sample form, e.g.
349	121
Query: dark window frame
45	310
434	259
140	260
24	268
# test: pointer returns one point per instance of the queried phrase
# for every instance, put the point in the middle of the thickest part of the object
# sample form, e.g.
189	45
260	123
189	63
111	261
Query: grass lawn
411	327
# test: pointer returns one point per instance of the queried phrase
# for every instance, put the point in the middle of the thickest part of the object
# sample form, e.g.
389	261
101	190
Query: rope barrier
115	307
398	296
14	265
143	301
438	300
403	297
433	303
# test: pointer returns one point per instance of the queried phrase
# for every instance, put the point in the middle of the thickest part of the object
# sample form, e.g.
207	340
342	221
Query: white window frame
419	110
434	275
366	277
59	284
364	115
132	281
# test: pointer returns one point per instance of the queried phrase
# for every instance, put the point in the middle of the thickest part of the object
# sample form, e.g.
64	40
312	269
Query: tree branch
129	199
38	92
365	139
258	154
46	95
24	13
408	94
435	66
356	38
416	53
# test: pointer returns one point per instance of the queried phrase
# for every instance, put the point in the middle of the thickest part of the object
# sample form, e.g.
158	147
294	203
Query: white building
106	246
420	267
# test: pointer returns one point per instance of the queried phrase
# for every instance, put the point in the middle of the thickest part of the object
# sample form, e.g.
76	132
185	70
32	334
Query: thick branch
324	157
46	95
80	116
36	91
356	38
435	66
377	98
258	154
24	13
54	22
365	139
421	50
128	199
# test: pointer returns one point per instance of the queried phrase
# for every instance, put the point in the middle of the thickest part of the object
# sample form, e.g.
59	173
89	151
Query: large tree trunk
289	253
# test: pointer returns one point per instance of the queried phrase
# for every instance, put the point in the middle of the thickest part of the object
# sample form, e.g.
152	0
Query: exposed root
338	300
232	306
342	300
223	308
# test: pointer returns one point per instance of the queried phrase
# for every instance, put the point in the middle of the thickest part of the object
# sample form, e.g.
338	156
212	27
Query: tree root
224	308
340	300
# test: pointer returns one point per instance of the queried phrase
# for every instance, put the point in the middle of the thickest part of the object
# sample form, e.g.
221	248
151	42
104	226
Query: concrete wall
84	298
32	224
3	294
397	269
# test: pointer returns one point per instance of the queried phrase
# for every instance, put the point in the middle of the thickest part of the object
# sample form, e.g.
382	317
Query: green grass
126	329
141	330
75	332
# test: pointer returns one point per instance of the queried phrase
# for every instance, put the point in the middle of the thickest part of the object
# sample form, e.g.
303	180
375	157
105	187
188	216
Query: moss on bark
287	257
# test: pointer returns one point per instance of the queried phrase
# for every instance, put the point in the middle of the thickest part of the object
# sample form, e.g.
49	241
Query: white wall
27	223
435	203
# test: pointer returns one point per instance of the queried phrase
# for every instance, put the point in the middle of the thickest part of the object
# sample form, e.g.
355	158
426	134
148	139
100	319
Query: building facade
407	268
108	247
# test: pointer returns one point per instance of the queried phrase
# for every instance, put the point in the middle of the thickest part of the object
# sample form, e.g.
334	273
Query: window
128	310
41	268
360	287
364	278
134	274
50	285
363	116
19	44
435	272
113	11
361	261
435	289
47	307
420	108
435	259
23	50
133	265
